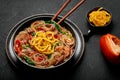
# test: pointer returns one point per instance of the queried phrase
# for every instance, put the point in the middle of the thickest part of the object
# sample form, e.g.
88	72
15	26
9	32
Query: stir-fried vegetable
49	56
25	46
18	46
28	60
33	33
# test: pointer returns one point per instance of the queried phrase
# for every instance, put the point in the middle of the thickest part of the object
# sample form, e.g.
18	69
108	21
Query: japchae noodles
44	44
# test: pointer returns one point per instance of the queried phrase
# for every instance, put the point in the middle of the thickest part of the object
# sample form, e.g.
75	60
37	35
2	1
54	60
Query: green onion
68	34
24	46
28	60
49	56
35	27
33	33
57	26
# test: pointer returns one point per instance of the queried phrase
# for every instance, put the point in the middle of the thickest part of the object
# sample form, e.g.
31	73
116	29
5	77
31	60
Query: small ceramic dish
99	18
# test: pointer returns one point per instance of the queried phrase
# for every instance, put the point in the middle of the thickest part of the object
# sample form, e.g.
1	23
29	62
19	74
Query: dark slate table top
93	65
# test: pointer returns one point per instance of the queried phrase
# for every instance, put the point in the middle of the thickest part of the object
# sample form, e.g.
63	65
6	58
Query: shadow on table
113	69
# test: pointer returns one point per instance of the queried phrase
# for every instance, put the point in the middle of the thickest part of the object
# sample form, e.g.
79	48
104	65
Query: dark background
93	65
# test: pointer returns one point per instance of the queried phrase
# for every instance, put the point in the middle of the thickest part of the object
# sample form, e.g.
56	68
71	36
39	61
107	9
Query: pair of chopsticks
63	6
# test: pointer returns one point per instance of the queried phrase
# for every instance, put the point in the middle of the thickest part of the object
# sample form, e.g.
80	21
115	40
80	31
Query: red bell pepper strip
18	46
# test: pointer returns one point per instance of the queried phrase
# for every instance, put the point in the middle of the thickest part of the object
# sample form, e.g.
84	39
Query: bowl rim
45	14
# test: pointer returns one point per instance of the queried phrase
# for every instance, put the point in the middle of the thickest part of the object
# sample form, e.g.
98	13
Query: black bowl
72	61
98	28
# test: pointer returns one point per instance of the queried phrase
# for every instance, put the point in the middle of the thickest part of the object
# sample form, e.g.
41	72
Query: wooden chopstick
72	10
60	10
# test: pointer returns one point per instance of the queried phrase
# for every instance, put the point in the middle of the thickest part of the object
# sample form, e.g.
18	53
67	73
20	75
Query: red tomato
110	46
